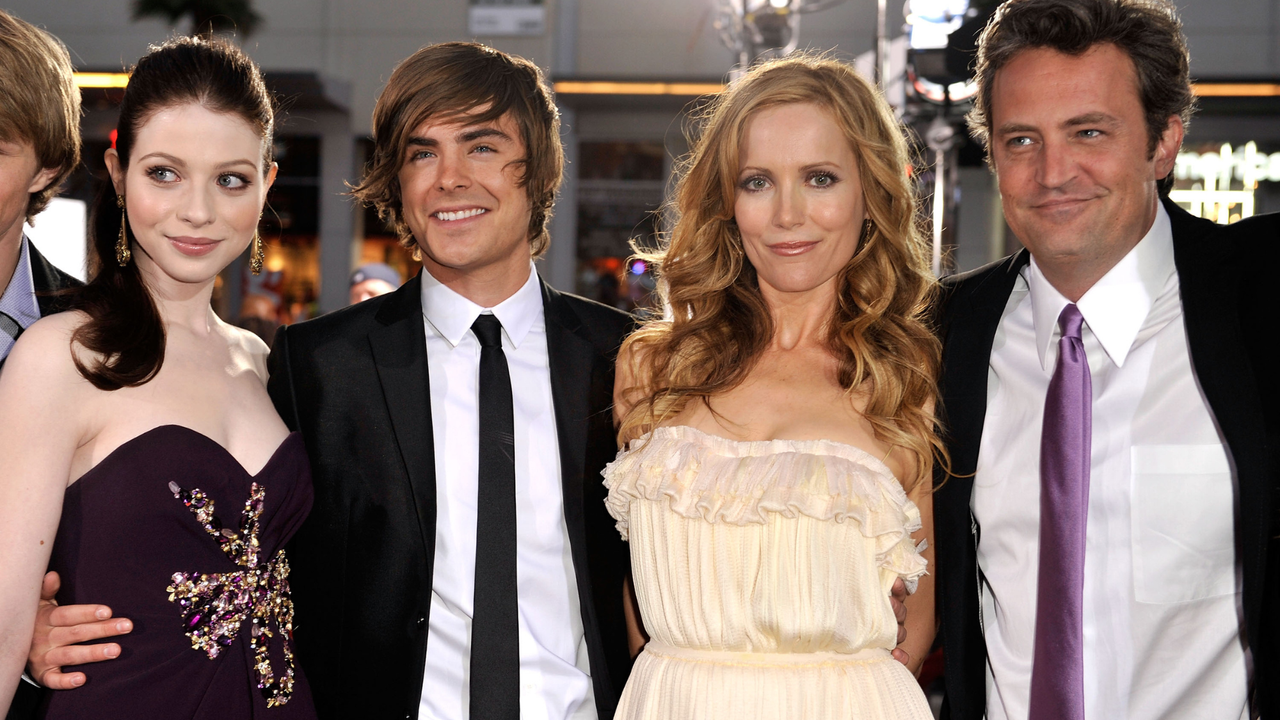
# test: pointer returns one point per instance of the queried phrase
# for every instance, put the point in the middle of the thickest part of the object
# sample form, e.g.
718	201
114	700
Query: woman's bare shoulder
45	348
40	376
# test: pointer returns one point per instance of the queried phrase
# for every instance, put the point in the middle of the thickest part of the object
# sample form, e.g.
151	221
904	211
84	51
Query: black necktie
495	628
10	327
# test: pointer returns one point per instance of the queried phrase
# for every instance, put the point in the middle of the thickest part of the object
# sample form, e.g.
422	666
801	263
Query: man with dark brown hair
458	561
1106	541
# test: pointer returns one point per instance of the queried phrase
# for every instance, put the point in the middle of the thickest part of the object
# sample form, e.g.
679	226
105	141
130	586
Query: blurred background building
628	76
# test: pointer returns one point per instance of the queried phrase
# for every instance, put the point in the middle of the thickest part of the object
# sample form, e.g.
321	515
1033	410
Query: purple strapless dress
170	531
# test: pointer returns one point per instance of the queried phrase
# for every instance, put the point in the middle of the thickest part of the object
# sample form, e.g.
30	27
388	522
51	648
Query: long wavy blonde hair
716	322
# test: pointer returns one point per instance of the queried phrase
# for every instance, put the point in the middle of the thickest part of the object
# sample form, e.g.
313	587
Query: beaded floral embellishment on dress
214	605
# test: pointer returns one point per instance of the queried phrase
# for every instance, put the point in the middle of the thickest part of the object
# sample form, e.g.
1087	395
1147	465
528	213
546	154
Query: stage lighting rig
762	29
942	40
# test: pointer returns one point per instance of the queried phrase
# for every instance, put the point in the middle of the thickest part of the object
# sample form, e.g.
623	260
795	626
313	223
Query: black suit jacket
1225	274
46	279
355	383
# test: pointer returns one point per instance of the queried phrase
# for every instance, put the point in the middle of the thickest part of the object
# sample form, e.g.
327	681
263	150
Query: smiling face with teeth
462	197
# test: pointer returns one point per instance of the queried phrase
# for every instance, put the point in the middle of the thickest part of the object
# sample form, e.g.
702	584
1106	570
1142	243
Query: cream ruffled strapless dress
763	572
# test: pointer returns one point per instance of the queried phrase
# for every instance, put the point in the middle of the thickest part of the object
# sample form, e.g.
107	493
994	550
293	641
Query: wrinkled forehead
1047	82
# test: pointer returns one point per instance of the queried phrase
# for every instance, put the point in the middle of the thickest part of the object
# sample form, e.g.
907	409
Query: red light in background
112	136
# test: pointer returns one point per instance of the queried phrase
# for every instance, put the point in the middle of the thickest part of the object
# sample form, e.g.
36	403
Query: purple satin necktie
1057	674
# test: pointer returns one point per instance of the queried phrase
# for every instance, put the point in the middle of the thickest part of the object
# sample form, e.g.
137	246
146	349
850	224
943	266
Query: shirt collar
452	314
19	299
1117	305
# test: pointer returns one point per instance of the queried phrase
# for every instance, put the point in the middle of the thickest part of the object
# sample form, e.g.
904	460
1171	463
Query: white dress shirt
1161	583
555	678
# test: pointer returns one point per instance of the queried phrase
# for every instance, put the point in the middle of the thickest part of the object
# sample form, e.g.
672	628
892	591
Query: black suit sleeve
280	381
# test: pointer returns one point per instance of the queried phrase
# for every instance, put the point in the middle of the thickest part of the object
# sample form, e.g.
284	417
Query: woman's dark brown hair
1148	31
464	80
124	334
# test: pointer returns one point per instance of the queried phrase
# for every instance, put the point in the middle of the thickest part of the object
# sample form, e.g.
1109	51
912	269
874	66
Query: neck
799	318
180	303
10	251
487	286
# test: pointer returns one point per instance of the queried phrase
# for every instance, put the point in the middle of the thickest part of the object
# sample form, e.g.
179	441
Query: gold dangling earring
122	242
868	227
256	254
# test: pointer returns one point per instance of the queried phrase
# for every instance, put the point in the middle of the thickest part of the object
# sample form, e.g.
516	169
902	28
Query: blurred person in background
1107	543
371	280
260	315
778	423
143	460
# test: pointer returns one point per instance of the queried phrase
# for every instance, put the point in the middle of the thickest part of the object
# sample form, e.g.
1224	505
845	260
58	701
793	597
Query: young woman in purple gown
142	457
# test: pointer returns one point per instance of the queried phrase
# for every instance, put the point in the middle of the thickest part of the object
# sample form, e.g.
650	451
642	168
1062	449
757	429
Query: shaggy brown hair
718	323
1148	31
463	80
39	101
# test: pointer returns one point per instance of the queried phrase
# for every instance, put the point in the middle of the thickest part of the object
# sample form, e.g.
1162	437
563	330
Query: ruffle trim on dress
738	482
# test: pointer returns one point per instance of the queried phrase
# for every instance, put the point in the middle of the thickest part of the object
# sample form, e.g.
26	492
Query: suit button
422	619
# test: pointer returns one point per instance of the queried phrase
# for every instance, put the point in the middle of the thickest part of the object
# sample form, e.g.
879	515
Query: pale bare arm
920	623
40	395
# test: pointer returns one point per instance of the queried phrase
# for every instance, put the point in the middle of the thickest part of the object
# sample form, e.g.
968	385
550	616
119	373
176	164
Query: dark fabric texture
1228	306
47	280
355	384
123	536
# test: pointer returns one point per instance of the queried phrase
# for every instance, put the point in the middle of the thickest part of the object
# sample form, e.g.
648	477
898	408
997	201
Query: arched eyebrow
466	136
1092	118
472	135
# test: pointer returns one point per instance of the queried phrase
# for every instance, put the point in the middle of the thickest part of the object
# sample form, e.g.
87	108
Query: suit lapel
971	314
1209	285
970	330
570	358
400	357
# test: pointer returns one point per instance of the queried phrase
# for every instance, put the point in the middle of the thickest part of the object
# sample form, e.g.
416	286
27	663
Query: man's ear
1166	153
42	179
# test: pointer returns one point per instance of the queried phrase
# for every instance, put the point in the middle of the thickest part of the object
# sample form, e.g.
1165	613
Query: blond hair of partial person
456	81
717	324
39	101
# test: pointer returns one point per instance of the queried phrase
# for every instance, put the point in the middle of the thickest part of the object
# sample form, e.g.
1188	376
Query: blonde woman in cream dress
778	423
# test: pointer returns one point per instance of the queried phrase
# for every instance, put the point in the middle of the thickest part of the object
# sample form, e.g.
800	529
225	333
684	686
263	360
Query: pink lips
194	247
790	249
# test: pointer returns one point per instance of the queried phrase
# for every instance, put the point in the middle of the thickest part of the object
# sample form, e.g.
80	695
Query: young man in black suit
458	560
1106	541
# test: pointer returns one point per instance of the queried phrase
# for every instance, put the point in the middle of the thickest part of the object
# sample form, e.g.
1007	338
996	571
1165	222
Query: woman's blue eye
162	174
232	182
